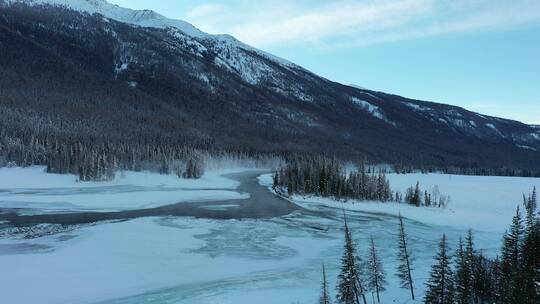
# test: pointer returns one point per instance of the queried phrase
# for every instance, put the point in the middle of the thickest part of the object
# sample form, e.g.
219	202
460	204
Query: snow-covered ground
39	191
485	203
187	260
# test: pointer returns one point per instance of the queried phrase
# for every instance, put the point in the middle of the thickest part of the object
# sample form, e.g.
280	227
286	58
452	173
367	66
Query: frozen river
291	248
260	204
252	248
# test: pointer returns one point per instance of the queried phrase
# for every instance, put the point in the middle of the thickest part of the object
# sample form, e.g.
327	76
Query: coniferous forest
66	104
463	275
327	177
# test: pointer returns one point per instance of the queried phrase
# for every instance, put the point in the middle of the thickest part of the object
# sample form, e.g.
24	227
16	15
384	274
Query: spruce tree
533	197
427	199
376	273
404	268
496	280
462	275
537	281
531	251
470	257
440	286
275	180
417	200
511	258
350	284
484	280
325	296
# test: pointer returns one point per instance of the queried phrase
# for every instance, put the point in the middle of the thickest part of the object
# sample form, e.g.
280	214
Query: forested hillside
85	93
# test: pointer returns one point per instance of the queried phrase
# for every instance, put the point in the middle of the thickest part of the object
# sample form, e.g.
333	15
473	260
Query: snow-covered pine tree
325	296
440	286
350	284
404	269
376	274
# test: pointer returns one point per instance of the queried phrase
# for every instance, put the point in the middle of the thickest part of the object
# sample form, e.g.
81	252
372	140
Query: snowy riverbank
188	260
484	203
39	191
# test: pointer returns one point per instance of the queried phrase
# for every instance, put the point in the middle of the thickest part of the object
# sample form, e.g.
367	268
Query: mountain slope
128	77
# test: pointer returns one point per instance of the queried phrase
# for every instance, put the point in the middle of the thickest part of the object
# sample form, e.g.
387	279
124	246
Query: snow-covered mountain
219	85
230	51
145	18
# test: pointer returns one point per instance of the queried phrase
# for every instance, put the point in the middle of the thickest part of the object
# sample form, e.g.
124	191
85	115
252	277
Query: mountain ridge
150	18
220	87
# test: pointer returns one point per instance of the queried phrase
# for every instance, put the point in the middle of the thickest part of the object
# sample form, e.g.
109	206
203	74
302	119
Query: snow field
33	188
187	260
482	203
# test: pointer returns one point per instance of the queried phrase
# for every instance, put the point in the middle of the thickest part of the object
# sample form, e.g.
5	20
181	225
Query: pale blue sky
483	55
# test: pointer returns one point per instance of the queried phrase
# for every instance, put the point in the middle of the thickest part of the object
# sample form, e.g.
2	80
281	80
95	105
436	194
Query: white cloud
353	23
205	11
335	20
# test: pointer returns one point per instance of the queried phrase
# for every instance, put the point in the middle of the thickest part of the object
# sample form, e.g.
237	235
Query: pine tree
290	188
350	286
511	258
470	257
484	280
404	268
409	195
416	196
531	251
440	286
537	281
377	275
462	275
427	199
496	280
194	167
275	181
533	197
530	204
325	296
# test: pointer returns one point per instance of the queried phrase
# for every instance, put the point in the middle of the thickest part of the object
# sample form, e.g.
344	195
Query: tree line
466	276
327	177
464	170
513	277
65	105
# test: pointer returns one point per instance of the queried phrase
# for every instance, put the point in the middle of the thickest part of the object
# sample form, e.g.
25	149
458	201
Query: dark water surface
261	204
